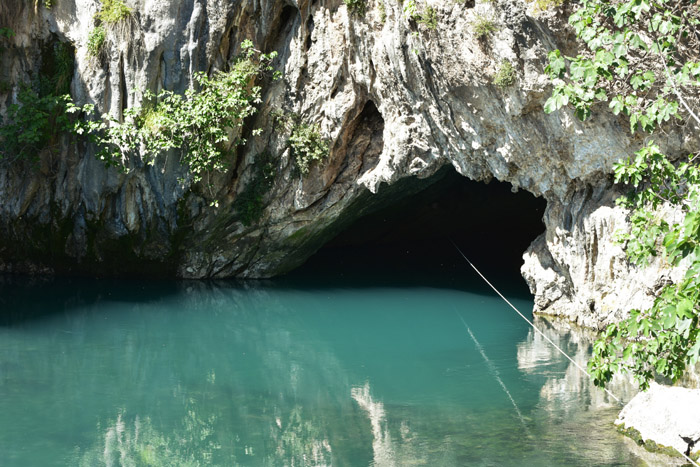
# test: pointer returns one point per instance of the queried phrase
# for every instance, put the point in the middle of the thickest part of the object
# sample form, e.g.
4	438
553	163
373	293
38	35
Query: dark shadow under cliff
492	225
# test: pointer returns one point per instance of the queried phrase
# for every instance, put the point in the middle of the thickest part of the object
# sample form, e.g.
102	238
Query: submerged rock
664	417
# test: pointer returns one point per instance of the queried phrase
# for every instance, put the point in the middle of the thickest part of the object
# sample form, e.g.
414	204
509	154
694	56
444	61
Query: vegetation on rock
483	27
544	5
308	146
426	17
250	201
204	123
505	75
5	33
641	61
33	124
113	11
356	7
96	40
429	18
37	120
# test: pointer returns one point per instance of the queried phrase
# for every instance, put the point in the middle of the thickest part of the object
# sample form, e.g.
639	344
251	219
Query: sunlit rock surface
578	270
395	100
668	416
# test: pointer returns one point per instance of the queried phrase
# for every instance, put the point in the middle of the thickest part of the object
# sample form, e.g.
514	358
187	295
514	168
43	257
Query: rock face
577	270
669	416
395	99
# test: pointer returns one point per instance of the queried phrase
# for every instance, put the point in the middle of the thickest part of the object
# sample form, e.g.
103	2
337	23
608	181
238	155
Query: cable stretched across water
494	371
530	322
543	335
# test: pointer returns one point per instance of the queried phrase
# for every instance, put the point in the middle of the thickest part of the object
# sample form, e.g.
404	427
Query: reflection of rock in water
229	385
571	403
136	442
301	442
381	445
536	355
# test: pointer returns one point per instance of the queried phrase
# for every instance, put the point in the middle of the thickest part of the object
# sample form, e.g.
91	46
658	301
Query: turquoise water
284	373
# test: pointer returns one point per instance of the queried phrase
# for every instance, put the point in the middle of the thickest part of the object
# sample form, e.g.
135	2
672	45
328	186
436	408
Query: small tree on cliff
641	61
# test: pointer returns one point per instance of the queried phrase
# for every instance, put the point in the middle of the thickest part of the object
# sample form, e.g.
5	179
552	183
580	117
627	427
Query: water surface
300	371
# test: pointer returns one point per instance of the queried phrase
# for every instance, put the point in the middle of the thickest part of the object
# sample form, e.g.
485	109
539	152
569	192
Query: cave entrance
409	241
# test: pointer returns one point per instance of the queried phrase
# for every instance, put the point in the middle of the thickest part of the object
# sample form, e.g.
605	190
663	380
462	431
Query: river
298	371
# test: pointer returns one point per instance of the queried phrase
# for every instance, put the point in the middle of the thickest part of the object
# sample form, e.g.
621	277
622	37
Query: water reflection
381	443
569	404
135	441
253	374
566	389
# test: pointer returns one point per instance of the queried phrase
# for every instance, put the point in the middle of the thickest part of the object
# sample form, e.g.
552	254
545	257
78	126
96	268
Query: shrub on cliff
356	7
201	122
641	60
308	146
37	120
505	75
113	11
34	123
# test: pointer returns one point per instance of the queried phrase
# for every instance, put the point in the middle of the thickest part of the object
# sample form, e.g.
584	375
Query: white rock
664	414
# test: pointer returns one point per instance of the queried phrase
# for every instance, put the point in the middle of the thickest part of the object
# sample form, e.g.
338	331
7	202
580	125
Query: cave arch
412	236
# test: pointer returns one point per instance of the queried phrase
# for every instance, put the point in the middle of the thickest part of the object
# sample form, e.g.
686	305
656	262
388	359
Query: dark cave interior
492	226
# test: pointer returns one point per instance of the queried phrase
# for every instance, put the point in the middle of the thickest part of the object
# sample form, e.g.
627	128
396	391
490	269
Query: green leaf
617	105
557	65
685	308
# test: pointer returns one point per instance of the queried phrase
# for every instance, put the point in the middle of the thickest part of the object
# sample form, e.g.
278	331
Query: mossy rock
650	445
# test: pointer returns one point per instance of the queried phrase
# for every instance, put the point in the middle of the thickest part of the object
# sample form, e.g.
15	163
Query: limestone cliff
396	100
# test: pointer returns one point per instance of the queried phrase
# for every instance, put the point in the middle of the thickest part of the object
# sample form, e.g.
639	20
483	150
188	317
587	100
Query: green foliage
308	146
642	58
382	11
33	124
664	339
5	33
250	202
96	40
505	76
201	122
113	11
642	62
410	10
427	17
544	5
56	71
483	27
38	119
356	7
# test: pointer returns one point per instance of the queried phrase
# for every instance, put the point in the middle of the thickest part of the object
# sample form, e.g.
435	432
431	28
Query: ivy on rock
641	61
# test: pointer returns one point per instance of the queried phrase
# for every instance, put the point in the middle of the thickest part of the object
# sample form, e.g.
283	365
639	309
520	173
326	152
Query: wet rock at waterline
396	101
664	417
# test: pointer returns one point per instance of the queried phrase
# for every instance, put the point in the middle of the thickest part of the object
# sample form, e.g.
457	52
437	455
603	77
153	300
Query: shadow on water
24	298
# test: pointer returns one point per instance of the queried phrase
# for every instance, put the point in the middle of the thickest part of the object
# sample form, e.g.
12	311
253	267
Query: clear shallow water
283	373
